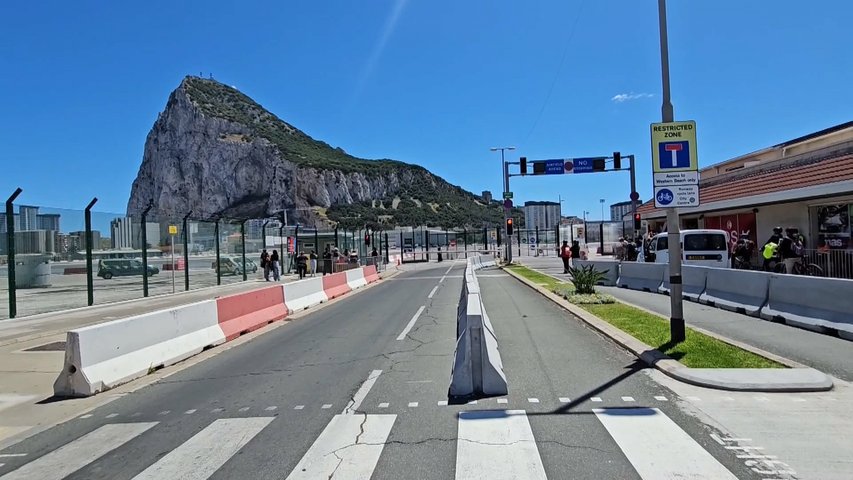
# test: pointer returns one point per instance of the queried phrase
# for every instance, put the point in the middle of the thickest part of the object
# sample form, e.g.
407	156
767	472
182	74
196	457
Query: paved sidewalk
831	355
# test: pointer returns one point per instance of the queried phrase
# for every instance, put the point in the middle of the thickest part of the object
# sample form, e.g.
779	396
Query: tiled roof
781	178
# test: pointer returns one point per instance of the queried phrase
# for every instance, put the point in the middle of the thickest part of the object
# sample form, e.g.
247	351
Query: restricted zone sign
675	164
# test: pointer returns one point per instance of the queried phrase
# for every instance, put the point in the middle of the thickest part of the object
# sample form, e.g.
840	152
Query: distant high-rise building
121	233
35	241
77	241
48	221
618	211
541	215
487	196
28	217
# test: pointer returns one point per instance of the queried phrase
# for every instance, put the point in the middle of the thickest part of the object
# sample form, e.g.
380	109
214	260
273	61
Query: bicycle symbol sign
665	196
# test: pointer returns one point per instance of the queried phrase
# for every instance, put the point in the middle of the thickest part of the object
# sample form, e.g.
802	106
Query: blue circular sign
665	196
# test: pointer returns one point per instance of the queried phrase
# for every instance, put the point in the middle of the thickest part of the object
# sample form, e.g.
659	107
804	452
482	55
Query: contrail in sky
378	48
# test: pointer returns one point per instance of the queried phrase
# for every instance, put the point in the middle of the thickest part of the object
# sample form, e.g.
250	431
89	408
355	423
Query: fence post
216	247
518	237
10	252
145	249
386	247
264	233
243	246
336	236
90	287
186	233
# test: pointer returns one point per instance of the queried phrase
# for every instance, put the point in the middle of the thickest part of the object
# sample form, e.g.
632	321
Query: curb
797	379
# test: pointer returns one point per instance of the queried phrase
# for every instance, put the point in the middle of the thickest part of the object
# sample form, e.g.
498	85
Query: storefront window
833	226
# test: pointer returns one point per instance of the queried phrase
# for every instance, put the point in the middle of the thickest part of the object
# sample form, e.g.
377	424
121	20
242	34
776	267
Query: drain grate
48	347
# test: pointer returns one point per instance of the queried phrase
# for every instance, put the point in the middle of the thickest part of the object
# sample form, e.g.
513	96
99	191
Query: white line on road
88	415
596	399
190	412
497	444
627	399
411	323
11	455
271	408
244	409
362	392
442	403
442	279
348	448
299	407
502	400
565	399
434	289
413	404
533	400
660	398
326	406
112	415
657	447
448	269
203	454
384	405
75	455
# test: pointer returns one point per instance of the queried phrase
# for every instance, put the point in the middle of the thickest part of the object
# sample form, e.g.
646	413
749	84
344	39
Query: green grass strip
697	351
537	277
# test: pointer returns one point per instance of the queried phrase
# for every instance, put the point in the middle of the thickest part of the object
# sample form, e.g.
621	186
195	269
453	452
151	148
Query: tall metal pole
216	247
186	234
507	212
635	196
10	252
243	246
145	249
90	286
676	320
264	234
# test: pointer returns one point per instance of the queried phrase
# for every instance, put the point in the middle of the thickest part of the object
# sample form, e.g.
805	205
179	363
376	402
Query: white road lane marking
565	399
533	400
657	447
200	456
502	400
78	453
88	415
434	289
348	448
497	444
362	392
165	412
661	398
299	407
12	455
413	404
112	415
190	412
411	323
244	409
596	399
442	403
217	410
271	408
442	279
383	405
627	399
448	270
326	406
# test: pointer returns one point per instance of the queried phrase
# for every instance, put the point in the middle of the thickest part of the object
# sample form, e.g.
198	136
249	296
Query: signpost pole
676	320
506	212
172	250
635	196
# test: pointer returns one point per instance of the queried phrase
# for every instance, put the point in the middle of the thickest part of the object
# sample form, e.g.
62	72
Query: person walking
565	255
265	264
274	266
327	261
313	257
301	264
575	251
789	250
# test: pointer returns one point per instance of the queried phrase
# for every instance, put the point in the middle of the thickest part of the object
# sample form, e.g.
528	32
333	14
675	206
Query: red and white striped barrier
103	356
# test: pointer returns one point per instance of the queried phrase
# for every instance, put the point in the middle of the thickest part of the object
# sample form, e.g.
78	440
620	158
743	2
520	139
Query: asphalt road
358	389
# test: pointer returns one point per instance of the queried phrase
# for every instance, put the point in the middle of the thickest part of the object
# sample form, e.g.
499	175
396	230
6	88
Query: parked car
234	265
709	248
121	267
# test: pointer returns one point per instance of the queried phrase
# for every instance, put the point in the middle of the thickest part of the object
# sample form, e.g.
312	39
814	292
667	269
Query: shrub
585	278
591	299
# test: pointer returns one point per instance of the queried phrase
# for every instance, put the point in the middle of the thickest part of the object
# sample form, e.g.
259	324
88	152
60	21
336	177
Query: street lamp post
505	173
676	320
601	227
585	230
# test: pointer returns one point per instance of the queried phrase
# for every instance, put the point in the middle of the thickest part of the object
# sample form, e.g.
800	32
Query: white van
708	248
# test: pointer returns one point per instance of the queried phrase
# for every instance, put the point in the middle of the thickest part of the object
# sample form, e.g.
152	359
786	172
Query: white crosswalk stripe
206	451
496	444
348	448
80	452
489	444
657	447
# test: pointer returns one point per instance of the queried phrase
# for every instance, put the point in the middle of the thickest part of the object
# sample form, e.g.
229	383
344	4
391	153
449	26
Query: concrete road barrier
244	312
370	273
336	285
693	279
641	276
303	294
477	365
103	356
610	267
741	291
821	304
355	278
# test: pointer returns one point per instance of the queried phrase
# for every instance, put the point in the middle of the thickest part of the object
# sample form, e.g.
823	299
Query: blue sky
434	83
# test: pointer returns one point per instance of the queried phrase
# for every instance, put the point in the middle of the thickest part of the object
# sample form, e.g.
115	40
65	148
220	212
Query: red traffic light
509	226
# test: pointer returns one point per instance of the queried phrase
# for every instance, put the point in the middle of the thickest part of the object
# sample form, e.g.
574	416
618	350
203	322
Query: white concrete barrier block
304	293
736	290
693	279
819	304
641	276
103	356
355	278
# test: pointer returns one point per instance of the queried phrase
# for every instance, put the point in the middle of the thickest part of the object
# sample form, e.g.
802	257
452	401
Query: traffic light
617	160
509	226
598	165
637	223
523	161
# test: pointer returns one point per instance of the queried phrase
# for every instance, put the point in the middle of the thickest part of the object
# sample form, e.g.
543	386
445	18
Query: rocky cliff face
217	153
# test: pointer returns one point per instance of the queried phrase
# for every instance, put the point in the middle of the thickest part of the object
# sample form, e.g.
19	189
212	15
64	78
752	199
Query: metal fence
55	259
833	263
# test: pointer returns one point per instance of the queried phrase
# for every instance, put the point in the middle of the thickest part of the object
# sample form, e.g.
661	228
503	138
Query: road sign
507	203
667	179
532	240
507	195
554	167
173	229
635	196
674	147
582	165
677	196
